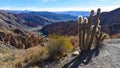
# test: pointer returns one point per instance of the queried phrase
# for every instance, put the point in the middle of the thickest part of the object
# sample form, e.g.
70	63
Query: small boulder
75	53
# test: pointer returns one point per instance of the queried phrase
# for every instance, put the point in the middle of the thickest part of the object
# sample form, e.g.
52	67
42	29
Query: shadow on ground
84	58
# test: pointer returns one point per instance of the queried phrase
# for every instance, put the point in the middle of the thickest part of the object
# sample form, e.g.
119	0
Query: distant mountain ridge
48	15
110	22
54	16
74	13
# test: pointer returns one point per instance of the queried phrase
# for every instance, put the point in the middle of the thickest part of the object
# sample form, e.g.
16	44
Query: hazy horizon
59	5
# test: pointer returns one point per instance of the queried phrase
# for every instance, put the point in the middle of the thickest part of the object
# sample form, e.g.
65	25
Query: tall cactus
80	20
87	33
84	31
94	28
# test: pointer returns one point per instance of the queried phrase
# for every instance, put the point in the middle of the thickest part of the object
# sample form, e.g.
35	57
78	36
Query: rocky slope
111	21
9	20
14	32
108	56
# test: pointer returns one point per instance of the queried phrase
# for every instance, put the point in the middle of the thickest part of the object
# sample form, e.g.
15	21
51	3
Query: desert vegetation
58	46
88	31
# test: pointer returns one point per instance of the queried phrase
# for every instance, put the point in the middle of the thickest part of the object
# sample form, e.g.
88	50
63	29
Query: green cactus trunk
94	28
84	33
80	32
89	29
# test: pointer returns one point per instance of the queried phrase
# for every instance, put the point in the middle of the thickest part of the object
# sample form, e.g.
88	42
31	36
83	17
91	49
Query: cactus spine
87	33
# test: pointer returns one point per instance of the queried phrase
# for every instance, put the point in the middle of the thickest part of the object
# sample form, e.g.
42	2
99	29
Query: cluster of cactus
88	31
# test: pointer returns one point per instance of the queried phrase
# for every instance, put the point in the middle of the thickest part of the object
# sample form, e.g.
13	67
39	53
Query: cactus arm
103	37
83	39
94	28
100	36
84	32
89	28
80	32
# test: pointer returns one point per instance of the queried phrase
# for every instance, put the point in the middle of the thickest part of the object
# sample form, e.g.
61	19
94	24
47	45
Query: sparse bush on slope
58	46
74	41
34	55
11	57
116	36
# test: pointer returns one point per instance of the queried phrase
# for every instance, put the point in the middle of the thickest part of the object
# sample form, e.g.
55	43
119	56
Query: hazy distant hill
53	16
45	14
75	13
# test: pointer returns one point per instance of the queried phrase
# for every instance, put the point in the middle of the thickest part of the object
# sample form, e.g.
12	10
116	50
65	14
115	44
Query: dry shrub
35	54
74	41
115	36
58	46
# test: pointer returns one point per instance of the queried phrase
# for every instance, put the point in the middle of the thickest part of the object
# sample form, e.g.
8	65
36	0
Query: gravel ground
106	57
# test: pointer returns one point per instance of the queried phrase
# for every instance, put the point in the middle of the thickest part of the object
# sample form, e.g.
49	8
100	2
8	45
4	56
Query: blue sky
59	5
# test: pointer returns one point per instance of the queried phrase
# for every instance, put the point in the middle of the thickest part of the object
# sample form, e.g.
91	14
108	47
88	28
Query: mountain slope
62	28
32	20
7	19
111	20
15	33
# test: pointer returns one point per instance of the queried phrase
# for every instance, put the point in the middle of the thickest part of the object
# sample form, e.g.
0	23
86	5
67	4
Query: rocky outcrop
13	31
20	39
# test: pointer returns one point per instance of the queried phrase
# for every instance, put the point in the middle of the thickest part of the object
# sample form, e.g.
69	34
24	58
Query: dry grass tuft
18	58
115	36
35	54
